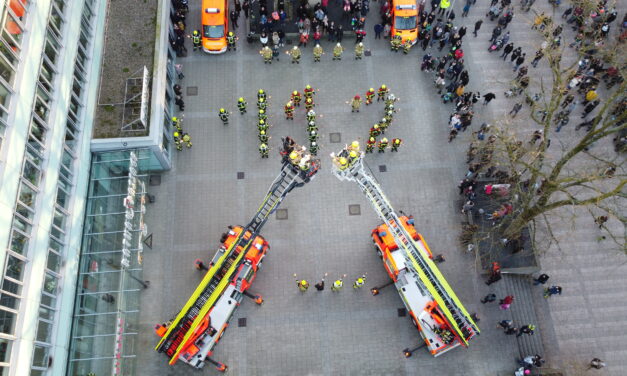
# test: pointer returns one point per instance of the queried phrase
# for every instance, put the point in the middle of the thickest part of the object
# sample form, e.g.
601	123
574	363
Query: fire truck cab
206	336
405	19
215	25
422	309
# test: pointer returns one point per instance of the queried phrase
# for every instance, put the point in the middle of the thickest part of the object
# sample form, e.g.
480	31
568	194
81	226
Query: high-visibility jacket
444	4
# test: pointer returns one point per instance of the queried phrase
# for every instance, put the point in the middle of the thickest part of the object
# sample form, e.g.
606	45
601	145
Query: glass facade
106	313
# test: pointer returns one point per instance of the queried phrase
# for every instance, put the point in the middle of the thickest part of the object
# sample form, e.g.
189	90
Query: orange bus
405	19
215	25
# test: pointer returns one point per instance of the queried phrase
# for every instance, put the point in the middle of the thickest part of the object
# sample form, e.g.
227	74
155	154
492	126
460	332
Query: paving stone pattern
350	332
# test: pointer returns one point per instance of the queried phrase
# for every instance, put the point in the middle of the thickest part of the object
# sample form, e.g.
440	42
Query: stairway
522	311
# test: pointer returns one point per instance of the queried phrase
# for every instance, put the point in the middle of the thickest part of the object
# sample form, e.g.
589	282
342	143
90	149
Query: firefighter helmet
260	91
383	87
376	126
361	44
355	144
241	99
262	132
307	87
371	90
357	97
353	154
303	282
261	112
222	110
311	113
312	133
312	123
261	100
230	33
295	48
295	92
289	104
343	161
293	155
195	33
313	143
176	134
384	139
372	139
338	45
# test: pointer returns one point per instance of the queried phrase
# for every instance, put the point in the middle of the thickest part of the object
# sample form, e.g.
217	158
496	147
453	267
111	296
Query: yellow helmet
372	139
343	161
355	144
260	91
353	154
371	89
289	103
307	87
261	100
262	132
241	99
293	155
376	126
303	282
261	122
174	118
263	146
383	87
195	32
222	110
384	139
230	33
262	112
176	134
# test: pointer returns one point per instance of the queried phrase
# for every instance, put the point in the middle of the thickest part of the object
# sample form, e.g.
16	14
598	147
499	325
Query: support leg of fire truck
199	325
436	311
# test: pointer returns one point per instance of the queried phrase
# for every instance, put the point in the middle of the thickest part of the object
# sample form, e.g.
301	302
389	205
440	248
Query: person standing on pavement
519	61
495	274
355	103
526	329
233	15
337	285
541	280
320	285
515	54
506	302
488	298
359	282
378	29
495	33
553	290
507	50
477	27
488	97
517	107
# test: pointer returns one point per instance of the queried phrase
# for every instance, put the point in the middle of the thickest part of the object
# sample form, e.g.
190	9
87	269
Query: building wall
49	267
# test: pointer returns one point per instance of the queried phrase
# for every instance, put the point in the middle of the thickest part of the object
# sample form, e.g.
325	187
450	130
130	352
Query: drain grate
354	209
192	91
240	175
154	180
335	138
383	168
281	214
241	322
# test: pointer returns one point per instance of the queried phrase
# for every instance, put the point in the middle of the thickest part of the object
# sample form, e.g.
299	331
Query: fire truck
405	20
435	310
193	333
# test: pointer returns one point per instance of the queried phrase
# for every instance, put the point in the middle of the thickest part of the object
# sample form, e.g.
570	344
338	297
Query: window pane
31	173
19	242
50	284
5	350
15	268
44	331
62	198
37	127
7	322
13	29
54	261
59	219
6	71
25	212
48	300
9	301
27	195
5	95
46	313
22	225
40	357
11	287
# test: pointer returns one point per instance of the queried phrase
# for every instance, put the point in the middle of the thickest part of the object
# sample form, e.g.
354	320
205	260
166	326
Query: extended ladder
459	319
219	275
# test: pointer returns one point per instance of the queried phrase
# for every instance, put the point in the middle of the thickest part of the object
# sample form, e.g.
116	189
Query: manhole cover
240	175
335	138
155	180
383	168
354	210
281	214
241	322
402	312
192	90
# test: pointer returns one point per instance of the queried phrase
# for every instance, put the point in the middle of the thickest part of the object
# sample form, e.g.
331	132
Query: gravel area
129	45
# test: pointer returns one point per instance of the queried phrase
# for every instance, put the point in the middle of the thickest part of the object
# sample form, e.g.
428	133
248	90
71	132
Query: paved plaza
350	332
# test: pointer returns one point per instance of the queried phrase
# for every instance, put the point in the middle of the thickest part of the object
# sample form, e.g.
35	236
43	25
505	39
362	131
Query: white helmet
317	44
313	143
312	123
361	44
295	48
311	113
339	45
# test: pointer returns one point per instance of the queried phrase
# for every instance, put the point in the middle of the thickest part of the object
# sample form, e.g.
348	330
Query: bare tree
581	169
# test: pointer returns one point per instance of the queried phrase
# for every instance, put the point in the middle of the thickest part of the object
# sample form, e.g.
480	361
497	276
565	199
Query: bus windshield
405	23
213	31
